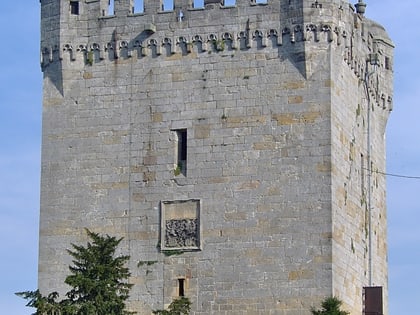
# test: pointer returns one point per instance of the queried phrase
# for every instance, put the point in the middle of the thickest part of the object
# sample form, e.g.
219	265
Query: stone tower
237	149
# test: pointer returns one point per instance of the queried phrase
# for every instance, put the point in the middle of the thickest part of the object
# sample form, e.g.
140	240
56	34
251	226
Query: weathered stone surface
273	100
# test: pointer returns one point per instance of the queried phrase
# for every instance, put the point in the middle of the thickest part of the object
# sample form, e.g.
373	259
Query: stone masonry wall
359	249
262	214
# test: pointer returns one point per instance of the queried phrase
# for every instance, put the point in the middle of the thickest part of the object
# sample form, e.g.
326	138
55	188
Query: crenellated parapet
284	28
139	37
199	43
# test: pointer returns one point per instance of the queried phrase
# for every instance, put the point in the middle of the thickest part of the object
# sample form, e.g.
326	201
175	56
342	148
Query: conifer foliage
43	304
330	306
98	281
180	306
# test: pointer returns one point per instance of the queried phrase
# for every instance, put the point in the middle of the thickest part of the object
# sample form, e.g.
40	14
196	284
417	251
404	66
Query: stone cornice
154	46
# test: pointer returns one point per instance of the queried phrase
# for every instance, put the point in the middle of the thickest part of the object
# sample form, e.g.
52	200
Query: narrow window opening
261	1
181	287
74	7
168	5
387	63
138	6
198	4
181	154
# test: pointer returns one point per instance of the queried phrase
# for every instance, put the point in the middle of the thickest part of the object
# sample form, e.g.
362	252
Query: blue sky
20	141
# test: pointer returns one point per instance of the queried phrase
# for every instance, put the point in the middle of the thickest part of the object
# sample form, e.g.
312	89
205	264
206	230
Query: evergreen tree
98	284
181	306
43	304
330	306
98	280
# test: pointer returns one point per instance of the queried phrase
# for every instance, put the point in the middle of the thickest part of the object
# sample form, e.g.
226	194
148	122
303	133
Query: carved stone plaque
180	225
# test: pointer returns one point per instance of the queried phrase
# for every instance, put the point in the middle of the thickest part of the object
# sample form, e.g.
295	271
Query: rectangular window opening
181	287
261	1
74	7
387	63
138	6
181	160
168	5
